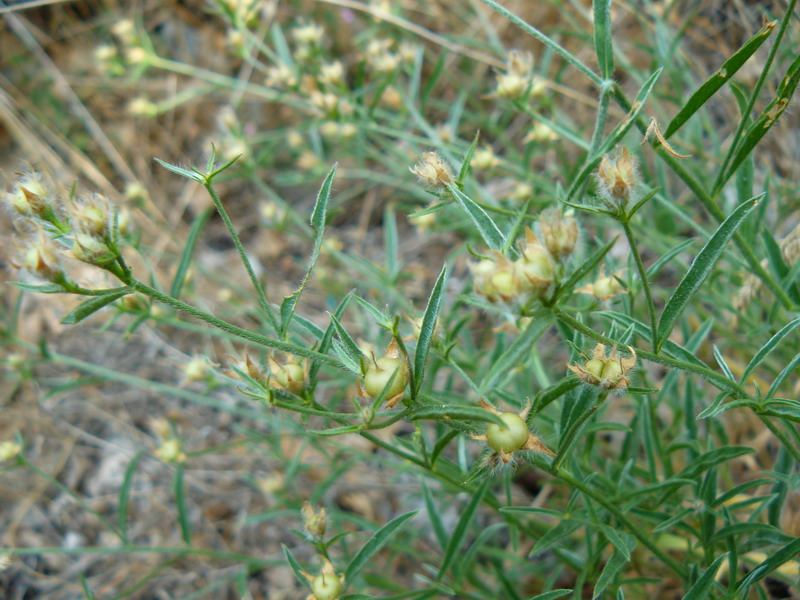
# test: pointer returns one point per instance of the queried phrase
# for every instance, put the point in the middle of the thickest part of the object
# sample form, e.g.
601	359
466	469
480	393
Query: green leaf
764	122
700	269
464	522
612	567
773	342
427	328
701	588
327	338
783	408
348	343
193	175
559	531
584	269
188	250
551	595
124	495
666	257
488	229
337	430
295	566
433	516
42	288
180	502
713	458
456	412
90	307
466	165
375	543
516	354
602	37
317	220
787	370
711	85
776	559
380	317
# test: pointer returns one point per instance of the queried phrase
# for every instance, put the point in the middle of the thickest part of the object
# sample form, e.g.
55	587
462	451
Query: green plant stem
718	380
721	175
49	478
608	504
231	328
262	296
651	309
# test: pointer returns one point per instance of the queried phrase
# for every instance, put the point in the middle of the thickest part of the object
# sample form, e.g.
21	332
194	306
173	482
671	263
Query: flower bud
498	279
332	73
29	196
171	451
618	177
433	170
308	34
560	232
484	158
536	264
9	450
40	257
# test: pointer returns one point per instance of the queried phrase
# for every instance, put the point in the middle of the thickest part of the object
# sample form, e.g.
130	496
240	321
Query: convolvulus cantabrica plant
533	335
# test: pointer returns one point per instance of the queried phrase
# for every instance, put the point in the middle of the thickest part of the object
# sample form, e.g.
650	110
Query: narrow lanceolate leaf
488	229
787	370
124	495
194	175
295	566
348	343
705	583
466	165
180	501
602	37
609	572
188	250
427	328
88	308
700	269
464	522
711	85
762	354
318	215
584	269
516	353
785	554
456	412
552	595
765	121
712	459
375	543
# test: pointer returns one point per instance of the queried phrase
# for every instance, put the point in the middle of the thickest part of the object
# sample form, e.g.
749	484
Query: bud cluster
519	81
51	228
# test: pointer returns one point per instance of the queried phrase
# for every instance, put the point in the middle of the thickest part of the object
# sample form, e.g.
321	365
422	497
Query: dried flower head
516	81
314	521
280	76
29	196
331	73
607	371
560	232
618	177
327	585
39	256
380	371
433	170
509	438
541	132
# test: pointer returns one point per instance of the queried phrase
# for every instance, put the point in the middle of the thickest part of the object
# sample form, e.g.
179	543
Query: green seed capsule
378	376
612	371
595	367
510	438
326	587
